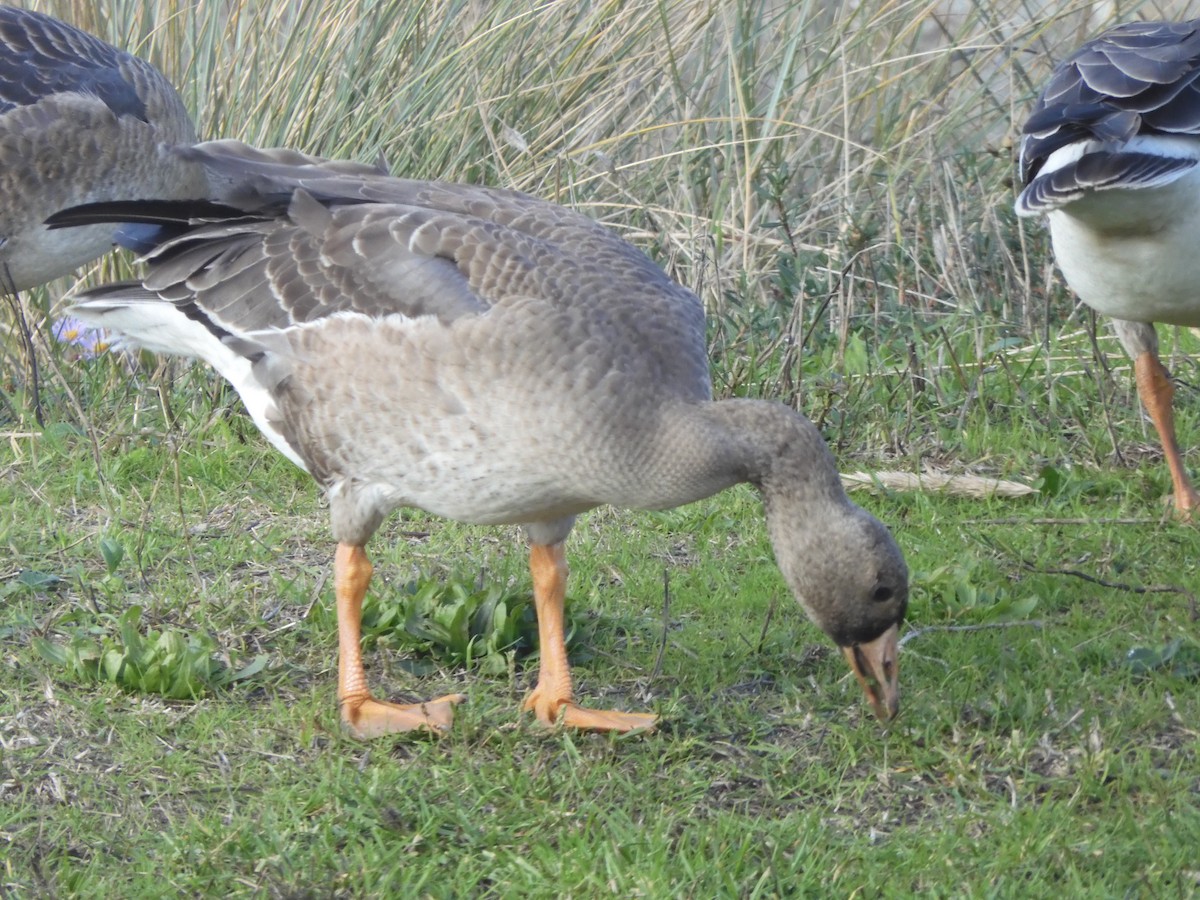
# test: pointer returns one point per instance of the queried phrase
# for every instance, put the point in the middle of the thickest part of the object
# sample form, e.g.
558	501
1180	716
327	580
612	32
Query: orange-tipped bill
878	671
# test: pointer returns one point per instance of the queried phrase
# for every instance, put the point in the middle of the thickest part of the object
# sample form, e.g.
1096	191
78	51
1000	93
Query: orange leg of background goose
1154	386
365	716
551	700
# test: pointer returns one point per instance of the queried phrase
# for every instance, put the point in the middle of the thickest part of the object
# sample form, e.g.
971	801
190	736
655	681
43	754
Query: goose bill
876	666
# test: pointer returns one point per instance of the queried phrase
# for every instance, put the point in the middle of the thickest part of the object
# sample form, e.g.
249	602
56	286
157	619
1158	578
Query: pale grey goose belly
489	357
497	436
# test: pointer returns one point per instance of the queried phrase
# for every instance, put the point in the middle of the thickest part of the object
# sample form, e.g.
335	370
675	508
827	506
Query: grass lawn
1029	756
833	182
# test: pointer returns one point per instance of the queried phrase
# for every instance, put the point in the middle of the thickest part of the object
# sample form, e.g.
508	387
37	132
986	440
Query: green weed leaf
252	668
39	581
966	593
455	623
1175	658
1050	481
51	652
170	663
113	552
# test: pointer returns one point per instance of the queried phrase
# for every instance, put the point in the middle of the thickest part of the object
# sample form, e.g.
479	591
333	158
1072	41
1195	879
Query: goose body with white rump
491	358
80	122
1110	155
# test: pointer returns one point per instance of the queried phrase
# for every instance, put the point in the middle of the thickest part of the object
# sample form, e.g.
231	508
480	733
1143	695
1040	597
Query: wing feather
296	239
1138	79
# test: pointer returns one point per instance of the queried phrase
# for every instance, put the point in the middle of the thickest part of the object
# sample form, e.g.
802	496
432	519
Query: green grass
1028	757
834	181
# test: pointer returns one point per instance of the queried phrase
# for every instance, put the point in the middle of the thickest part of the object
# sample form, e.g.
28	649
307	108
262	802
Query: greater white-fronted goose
1110	155
80	122
491	358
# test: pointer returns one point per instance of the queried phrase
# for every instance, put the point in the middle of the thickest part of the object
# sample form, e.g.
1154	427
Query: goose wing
1120	112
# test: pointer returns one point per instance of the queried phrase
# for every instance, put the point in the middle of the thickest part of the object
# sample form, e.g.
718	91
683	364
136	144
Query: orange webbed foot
554	713
371	718
1186	505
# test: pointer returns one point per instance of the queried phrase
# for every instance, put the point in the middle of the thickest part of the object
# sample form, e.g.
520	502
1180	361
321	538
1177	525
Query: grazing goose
1110	155
80	122
487	357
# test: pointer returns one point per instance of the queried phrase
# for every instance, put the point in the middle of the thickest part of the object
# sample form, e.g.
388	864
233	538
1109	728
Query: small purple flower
91	342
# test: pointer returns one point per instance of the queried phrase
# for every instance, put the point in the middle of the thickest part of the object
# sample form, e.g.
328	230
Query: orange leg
551	699
1154	387
365	716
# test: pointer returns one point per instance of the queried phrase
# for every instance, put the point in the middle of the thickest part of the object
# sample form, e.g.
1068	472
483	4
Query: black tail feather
150	212
144	224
